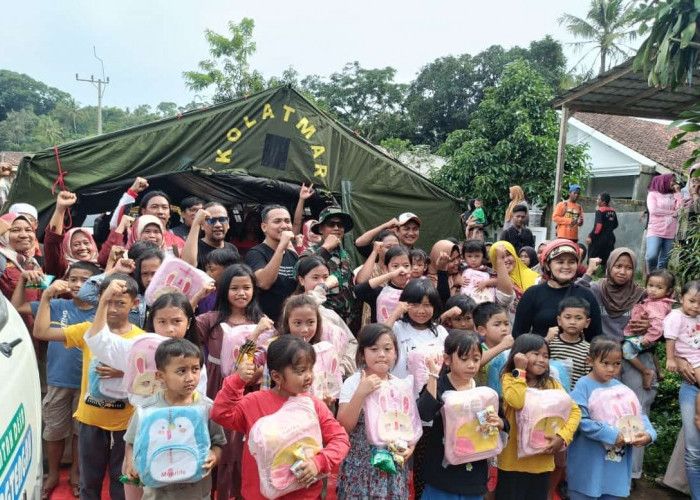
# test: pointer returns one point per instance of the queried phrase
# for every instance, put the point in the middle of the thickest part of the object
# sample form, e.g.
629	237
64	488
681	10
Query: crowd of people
472	370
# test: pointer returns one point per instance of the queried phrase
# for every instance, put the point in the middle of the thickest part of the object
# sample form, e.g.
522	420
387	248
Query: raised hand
306	192
66	199
140	184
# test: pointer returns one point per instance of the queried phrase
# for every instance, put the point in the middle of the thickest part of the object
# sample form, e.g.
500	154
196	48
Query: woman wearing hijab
520	276
529	257
517	197
616	294
443	269
147	228
17	246
61	250
539	306
663	202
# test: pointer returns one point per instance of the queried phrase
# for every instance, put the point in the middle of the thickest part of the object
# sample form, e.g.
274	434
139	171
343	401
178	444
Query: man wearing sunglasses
332	225
213	220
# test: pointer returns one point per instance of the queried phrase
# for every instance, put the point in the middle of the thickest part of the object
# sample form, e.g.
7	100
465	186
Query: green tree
608	25
19	91
228	71
447	91
511	137
167	109
49	131
358	96
17	129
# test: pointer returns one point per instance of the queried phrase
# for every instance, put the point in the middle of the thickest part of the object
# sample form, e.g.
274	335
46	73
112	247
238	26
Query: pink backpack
475	277
545	412
467	437
335	336
233	338
140	374
387	301
416	363
175	275
619	407
276	441
391	413
327	377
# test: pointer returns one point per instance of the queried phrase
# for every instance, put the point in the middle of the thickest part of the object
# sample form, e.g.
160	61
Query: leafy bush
666	418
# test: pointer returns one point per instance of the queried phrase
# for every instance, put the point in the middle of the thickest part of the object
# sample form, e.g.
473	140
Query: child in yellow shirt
528	367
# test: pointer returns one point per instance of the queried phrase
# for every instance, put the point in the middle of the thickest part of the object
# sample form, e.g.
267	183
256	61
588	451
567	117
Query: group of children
432	398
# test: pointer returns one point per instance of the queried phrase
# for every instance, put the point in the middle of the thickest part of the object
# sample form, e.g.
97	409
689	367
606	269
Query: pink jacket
663	214
657	309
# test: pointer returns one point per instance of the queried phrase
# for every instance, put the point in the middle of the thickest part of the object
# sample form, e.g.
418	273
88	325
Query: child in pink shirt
656	306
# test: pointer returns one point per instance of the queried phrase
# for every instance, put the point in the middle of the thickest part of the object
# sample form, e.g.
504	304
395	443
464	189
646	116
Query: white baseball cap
407	216
24	209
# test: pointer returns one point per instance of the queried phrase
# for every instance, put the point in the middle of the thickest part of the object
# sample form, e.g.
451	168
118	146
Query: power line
101	85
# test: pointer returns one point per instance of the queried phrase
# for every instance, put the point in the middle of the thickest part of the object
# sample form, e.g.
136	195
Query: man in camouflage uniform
332	225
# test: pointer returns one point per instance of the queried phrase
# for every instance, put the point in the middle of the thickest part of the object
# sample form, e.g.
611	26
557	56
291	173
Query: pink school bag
467	437
619	407
276	441
233	338
391	413
176	275
416	363
545	412
387	301
327	377
475	277
335	336
140	374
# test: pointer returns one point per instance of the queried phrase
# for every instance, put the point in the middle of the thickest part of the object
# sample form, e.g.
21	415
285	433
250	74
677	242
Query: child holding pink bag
612	421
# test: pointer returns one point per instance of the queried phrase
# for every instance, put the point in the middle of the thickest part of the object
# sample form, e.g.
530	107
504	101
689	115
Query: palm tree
608	24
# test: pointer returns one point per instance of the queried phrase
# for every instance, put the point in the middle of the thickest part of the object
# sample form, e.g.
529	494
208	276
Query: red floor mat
63	491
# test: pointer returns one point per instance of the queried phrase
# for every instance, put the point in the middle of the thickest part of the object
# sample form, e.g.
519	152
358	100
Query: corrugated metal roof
623	91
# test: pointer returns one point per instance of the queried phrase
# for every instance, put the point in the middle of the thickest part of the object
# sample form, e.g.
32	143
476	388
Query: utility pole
101	87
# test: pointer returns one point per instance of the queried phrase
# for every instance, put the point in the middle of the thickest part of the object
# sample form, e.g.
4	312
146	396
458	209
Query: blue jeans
687	395
657	252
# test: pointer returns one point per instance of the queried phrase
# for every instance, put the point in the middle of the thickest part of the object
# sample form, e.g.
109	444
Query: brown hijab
618	299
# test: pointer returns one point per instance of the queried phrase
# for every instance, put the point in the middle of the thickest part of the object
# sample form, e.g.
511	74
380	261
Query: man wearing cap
568	215
409	229
332	225
272	260
517	234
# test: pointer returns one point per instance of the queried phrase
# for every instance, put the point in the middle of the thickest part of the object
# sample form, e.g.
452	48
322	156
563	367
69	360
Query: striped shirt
575	352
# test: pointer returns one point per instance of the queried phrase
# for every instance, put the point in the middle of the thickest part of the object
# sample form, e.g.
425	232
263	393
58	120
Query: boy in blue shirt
63	365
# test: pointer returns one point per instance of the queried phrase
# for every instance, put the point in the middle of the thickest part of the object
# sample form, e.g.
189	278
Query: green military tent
256	149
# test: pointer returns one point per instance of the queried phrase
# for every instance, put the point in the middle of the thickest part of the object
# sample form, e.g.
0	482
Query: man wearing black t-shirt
213	219
273	262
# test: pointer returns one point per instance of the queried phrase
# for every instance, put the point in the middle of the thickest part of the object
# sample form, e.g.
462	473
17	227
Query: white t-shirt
113	351
349	387
410	338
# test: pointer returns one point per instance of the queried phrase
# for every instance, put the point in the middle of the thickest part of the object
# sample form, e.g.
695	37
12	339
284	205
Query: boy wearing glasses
213	220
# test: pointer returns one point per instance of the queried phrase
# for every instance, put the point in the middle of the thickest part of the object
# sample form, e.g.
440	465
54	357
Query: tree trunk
603	57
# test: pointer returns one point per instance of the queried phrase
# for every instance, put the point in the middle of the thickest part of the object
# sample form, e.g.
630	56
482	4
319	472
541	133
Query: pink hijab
140	224
68	253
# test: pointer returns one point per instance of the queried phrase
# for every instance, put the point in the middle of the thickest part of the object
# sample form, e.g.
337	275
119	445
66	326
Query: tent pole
561	156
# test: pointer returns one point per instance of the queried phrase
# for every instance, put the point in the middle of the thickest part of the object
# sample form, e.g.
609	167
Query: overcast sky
147	44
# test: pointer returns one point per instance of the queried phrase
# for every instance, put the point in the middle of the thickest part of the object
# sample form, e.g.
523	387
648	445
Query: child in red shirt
290	362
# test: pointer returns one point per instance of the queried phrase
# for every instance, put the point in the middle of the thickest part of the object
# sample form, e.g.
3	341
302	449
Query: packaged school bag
140	374
335	336
467	436
391	414
559	371
171	444
416	363
327	377
617	406
475	277
545	412
233	338
104	389
387	301
176	275
278	440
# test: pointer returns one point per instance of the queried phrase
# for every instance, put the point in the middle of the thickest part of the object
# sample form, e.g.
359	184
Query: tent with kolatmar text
257	149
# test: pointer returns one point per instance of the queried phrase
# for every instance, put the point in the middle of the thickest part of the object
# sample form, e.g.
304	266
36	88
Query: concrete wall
629	231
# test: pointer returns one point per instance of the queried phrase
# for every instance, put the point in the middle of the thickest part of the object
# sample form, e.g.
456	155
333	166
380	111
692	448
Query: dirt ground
647	490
